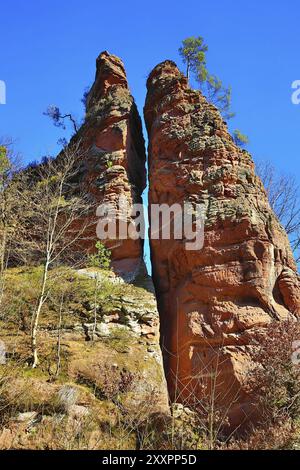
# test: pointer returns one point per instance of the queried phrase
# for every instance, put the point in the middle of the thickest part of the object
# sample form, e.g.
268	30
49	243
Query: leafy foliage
102	257
193	53
240	139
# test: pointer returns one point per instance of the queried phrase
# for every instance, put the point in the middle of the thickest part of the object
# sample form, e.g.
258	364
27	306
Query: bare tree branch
284	196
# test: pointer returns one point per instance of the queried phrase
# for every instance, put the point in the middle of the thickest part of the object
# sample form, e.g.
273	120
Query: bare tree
283	192
58	349
59	216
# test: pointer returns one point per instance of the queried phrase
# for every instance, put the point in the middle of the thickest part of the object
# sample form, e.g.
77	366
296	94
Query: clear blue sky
48	52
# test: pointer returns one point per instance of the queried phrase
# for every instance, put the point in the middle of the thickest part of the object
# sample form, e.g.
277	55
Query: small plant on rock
99	260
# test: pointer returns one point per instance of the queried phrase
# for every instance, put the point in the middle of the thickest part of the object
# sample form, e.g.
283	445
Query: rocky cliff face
212	301
114	162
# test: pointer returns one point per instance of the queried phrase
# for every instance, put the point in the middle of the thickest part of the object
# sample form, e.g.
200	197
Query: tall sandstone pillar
213	301
113	166
114	158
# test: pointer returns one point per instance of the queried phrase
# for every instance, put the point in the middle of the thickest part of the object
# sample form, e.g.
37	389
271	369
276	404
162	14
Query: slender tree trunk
3	249
58	361
4	226
95	306
212	417
188	70
36	316
2	262
211	426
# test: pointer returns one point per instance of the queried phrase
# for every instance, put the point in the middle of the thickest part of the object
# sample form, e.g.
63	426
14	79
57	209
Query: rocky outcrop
114	153
110	366
215	300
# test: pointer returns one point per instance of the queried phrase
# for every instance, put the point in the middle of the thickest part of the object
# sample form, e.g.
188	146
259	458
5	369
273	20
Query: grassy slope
116	379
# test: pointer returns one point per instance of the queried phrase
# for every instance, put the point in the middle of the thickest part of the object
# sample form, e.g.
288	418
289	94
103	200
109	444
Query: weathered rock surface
114	160
213	301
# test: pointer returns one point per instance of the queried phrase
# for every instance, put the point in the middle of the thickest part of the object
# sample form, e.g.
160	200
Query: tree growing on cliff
240	139
193	53
58	118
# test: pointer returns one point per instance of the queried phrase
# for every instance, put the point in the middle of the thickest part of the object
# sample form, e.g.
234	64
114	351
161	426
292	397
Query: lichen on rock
114	159
212	301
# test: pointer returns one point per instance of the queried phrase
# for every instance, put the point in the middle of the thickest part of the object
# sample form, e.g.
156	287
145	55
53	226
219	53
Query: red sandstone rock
212	301
114	164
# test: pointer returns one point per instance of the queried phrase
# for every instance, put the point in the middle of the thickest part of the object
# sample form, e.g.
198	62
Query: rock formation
212	301
114	159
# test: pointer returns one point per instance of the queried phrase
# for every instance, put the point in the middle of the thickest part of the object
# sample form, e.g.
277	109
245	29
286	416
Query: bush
275	381
102	257
107	382
275	386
